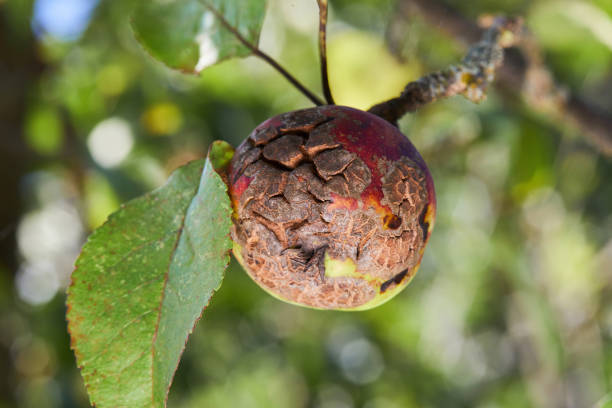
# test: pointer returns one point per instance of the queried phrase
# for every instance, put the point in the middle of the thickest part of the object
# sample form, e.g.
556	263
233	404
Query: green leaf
191	35
141	283
220	154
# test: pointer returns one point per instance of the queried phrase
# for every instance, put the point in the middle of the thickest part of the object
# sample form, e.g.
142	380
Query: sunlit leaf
191	35
142	281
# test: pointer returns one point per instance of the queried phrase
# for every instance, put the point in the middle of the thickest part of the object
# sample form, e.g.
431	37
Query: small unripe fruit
332	208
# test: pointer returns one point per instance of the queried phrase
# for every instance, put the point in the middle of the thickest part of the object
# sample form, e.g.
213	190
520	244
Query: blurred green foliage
512	305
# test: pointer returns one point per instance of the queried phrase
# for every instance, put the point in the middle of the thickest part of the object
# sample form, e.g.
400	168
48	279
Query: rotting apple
333	207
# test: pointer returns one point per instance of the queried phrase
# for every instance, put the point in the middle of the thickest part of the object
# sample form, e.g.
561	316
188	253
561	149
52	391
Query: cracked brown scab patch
285	150
300	191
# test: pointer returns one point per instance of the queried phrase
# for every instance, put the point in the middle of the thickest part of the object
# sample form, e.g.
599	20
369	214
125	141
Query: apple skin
333	208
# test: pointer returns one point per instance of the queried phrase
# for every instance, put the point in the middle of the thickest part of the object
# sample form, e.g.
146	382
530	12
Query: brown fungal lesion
332	162
404	181
285	151
265	135
303	202
317	260
304	120
392	221
320	139
423	223
396	280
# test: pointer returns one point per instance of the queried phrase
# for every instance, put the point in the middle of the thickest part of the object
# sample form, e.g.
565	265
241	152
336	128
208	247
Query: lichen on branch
470	78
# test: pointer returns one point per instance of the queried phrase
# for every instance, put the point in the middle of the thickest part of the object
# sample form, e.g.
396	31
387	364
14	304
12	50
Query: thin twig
470	78
323	50
259	53
313	98
524	72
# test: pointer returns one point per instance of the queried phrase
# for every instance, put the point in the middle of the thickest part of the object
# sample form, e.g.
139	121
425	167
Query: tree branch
259	53
524	72
470	78
323	50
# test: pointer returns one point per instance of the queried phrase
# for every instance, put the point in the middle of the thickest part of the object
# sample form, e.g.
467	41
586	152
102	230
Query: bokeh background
512	306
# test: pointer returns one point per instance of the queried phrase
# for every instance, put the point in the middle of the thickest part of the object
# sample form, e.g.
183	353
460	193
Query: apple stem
260	54
470	78
323	51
